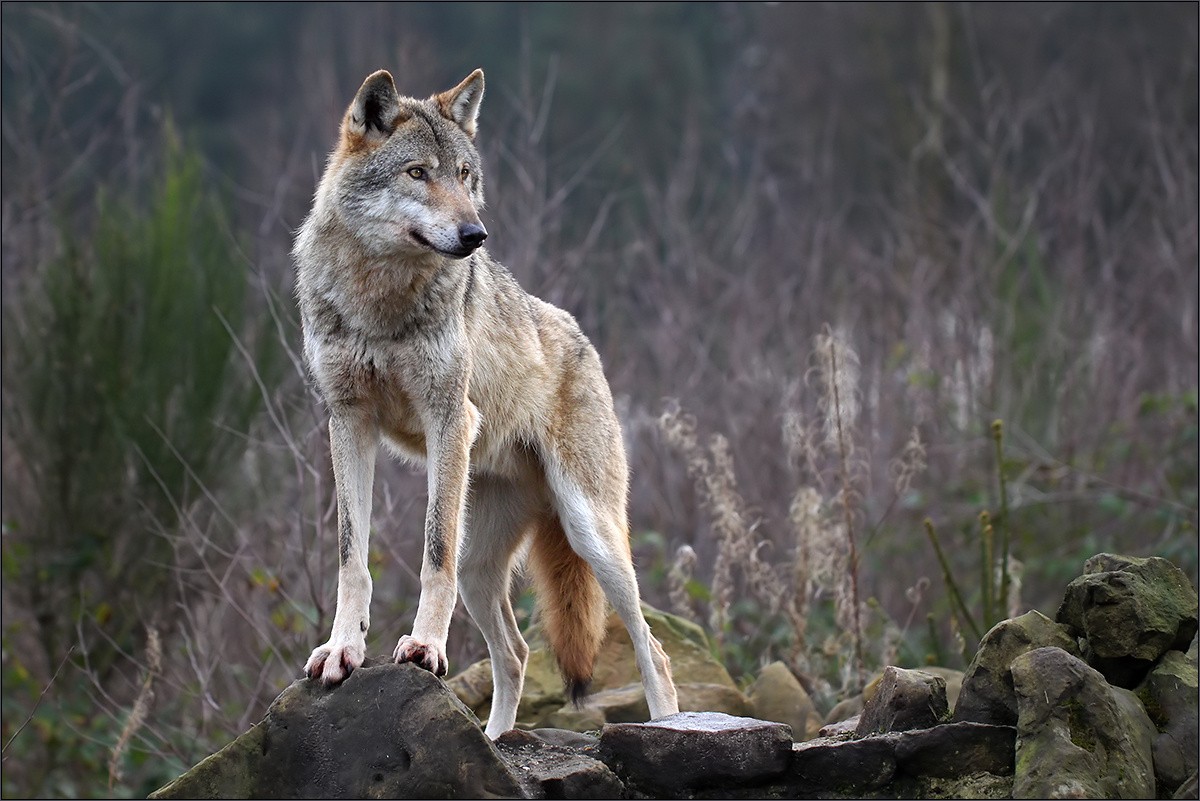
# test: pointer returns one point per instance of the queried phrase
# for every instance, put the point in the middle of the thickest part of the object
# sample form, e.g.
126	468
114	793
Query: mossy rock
1129	611
543	697
987	689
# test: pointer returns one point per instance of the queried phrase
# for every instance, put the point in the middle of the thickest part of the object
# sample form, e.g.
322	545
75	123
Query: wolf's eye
416	172
464	173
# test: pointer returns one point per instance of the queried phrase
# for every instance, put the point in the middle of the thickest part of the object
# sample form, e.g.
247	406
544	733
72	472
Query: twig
1005	528
38	703
951	584
987	566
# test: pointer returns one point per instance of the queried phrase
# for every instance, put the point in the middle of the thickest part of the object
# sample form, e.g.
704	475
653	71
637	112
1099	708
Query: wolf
416	337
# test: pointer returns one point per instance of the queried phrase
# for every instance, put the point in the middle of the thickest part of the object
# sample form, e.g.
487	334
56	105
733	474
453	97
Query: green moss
1081	734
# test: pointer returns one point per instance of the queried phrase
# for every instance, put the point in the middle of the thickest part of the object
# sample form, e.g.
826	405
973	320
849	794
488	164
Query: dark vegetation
821	248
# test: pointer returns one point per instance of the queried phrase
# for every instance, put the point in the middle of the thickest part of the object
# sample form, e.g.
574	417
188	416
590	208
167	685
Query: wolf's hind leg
499	515
600	536
353	443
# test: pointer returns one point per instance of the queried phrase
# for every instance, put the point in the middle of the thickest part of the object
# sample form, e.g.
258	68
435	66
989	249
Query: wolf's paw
332	662
426	655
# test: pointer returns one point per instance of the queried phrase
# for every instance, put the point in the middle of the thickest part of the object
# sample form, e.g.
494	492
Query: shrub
126	389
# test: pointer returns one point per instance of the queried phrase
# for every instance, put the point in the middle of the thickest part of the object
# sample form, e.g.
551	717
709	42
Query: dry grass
826	506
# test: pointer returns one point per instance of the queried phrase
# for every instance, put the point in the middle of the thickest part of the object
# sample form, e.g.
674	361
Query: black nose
471	235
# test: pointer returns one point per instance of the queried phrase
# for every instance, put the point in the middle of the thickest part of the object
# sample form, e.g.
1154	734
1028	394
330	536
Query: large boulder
388	731
1169	694
1077	736
777	695
987	689
1130	611
680	753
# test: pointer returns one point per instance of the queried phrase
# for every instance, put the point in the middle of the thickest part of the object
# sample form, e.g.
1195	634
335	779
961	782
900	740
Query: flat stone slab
954	750
845	767
691	750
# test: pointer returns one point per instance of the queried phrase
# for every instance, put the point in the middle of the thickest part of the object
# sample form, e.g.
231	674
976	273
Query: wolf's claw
425	655
331	663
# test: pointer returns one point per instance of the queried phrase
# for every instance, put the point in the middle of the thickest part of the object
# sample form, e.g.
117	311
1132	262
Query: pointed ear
461	104
375	111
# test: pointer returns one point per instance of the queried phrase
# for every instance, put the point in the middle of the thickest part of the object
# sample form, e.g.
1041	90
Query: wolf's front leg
449	449
353	443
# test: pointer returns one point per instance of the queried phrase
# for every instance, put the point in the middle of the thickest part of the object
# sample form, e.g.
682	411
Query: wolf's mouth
423	242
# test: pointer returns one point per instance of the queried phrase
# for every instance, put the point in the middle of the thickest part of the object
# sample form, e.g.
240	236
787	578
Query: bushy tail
571	605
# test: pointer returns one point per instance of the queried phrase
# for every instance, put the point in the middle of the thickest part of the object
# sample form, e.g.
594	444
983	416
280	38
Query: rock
685	642
690	750
953	679
842	727
845	767
980	785
850	708
1190	788
947	761
474	685
1077	737
628	705
578	777
622	705
1169	695
559	764
845	709
388	731
572	718
229	773
1130	611
543	702
904	699
777	695
695	697
987	688
543	691
567	739
954	750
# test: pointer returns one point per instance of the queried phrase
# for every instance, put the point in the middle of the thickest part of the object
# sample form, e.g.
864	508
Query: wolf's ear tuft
460	105
375	111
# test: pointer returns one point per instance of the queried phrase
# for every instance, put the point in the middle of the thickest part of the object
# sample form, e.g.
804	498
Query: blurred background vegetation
951	213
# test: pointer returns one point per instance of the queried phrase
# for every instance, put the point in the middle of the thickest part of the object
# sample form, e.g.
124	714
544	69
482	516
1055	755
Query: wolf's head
405	177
